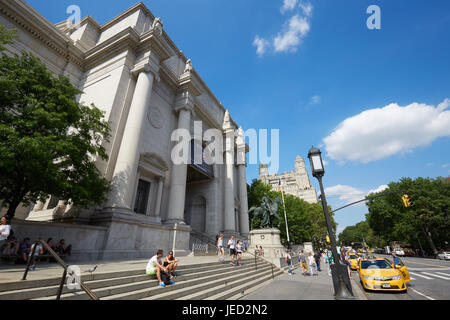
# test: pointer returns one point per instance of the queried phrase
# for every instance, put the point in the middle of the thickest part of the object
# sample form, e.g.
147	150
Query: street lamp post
339	270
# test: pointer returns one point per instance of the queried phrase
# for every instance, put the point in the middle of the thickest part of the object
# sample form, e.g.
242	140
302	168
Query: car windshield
375	264
352	257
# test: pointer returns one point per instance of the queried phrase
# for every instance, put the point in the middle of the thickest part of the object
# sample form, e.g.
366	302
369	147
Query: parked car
444	255
399	252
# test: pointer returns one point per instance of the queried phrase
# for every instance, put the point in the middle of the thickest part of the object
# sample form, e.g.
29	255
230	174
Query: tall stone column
183	105
125	171
243	200
159	197
229	213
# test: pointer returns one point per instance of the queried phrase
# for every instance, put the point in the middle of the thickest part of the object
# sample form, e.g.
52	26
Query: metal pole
285	217
342	292
61	285
29	261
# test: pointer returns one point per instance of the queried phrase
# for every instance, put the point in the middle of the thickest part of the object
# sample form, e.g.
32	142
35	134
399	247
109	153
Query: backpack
165	278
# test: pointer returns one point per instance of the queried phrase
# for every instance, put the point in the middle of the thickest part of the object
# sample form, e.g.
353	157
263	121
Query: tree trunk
12	209
428	235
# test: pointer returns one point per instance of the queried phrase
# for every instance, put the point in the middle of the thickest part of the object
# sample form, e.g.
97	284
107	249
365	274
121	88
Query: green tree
48	141
306	221
426	221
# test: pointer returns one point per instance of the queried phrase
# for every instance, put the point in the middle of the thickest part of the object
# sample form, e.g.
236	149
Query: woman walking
221	250
312	265
239	252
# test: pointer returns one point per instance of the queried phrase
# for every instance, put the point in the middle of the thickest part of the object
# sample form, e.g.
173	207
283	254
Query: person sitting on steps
171	263
155	267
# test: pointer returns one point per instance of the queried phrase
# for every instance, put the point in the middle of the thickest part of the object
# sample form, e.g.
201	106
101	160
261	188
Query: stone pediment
155	161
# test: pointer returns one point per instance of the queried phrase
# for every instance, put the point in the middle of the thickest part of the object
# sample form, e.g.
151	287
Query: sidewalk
300	287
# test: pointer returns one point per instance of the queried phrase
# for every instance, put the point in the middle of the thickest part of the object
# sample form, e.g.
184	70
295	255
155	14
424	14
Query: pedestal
270	241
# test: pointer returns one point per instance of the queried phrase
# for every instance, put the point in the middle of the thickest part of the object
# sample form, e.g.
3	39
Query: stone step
149	284
249	286
204	288
179	285
235	285
41	283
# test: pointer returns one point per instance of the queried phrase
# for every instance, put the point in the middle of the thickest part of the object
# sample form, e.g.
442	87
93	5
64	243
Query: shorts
151	272
232	252
303	265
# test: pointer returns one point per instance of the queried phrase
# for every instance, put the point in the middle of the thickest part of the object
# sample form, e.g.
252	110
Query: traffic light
328	239
406	200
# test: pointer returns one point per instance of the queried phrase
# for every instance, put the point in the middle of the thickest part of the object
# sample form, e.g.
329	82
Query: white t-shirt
152	263
311	260
239	248
220	243
5	229
37	251
231	243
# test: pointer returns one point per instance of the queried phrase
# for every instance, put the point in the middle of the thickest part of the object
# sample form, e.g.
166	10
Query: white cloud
261	45
288	40
379	189
382	132
307	8
348	194
445	165
294	29
315	100
429	164
288	5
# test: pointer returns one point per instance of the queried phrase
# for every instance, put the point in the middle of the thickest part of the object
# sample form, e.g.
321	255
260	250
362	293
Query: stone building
295	183
131	69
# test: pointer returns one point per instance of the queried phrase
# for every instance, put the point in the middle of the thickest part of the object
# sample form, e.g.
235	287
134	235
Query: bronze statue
268	212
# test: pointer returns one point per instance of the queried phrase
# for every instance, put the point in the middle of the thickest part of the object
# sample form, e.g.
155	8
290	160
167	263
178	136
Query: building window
53	202
143	189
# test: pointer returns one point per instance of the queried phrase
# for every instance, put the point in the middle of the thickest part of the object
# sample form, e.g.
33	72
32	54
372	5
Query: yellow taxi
353	259
380	274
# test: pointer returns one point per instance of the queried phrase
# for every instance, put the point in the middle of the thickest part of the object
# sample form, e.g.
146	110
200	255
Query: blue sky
321	77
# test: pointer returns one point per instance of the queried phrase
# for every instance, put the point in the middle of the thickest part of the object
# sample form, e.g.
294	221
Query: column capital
184	100
149	65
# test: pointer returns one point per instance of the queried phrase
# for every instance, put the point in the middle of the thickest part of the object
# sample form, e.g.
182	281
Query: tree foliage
306	221
425	224
48	141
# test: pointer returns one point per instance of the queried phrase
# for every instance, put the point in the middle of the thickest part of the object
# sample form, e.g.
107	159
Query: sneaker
172	282
161	284
33	268
174	274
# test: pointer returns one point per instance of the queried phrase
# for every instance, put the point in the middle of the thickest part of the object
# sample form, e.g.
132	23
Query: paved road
430	280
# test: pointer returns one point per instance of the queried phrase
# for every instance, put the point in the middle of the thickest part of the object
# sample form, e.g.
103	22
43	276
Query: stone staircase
208	281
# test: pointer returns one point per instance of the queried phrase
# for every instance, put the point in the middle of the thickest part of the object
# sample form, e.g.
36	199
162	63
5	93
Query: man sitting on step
155	267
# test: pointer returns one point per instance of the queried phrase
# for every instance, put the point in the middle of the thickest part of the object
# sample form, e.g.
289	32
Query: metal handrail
62	264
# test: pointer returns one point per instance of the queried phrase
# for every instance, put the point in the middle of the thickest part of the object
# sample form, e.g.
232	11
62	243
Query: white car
444	255
399	252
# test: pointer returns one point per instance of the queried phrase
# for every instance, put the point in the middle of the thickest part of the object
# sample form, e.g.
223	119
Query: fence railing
62	264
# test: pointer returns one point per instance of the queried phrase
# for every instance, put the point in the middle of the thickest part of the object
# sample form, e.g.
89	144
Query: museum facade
131	69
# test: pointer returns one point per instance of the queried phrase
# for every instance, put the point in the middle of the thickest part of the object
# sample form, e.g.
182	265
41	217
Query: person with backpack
317	257
289	262
155	267
302	261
